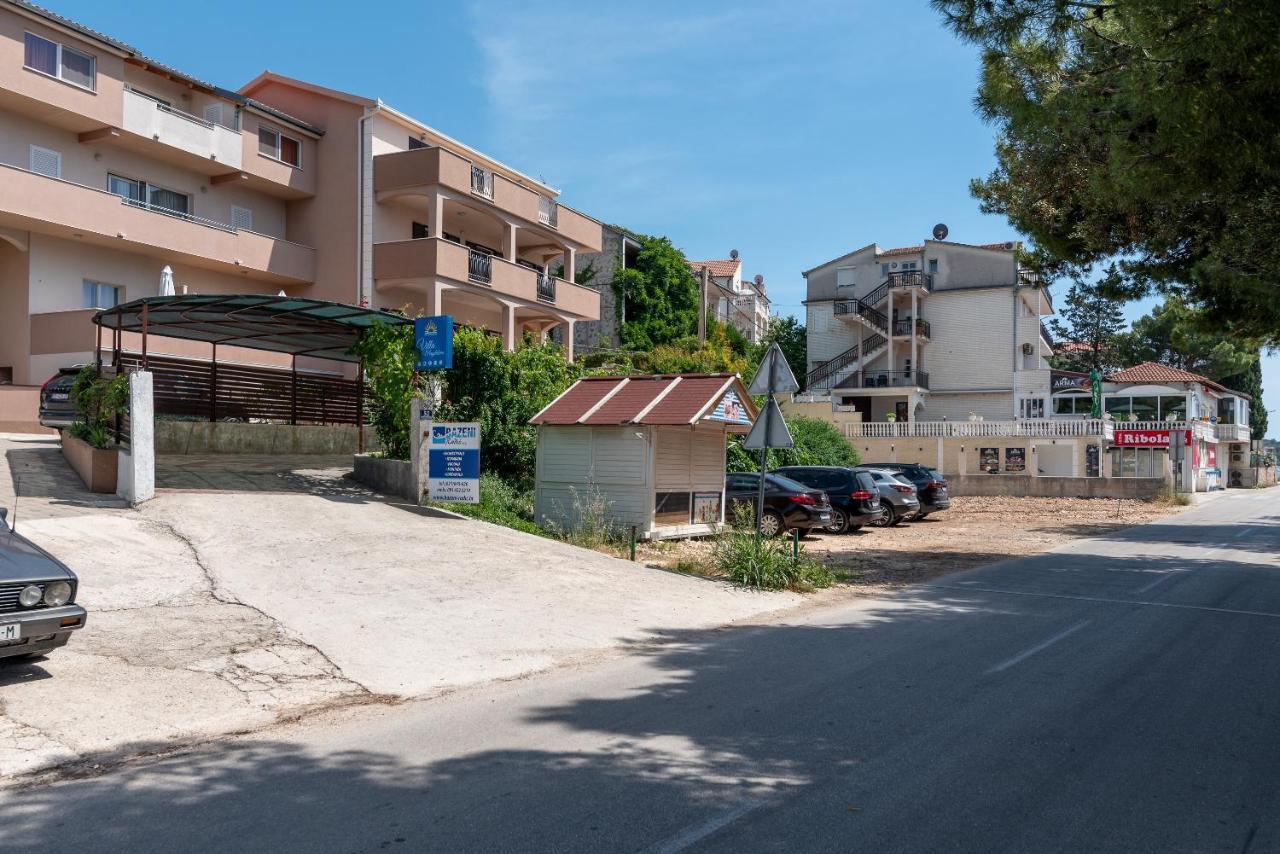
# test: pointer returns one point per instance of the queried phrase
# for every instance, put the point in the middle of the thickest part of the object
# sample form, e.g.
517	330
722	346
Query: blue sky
792	132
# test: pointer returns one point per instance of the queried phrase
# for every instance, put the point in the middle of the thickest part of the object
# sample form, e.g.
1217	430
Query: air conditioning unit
1027	349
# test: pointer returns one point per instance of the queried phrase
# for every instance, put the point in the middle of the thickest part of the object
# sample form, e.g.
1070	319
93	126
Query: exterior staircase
829	374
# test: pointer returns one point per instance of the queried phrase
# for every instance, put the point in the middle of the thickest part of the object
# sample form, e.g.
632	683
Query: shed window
671	508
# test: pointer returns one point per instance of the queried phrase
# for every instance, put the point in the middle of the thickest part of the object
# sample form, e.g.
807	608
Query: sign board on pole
774	375
453	462
770	430
433	338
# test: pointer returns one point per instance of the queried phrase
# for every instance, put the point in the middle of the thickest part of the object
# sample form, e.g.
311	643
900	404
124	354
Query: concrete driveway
250	590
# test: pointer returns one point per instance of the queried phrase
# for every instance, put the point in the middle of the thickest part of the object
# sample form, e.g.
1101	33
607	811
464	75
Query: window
58	60
46	161
1032	407
884	271
910	265
98	295
149	196
277	146
1076	404
419	230
241	218
933	265
1146	408
844	277
1118	407
414	142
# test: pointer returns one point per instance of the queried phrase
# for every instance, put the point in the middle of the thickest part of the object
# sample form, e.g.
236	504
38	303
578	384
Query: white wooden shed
647	451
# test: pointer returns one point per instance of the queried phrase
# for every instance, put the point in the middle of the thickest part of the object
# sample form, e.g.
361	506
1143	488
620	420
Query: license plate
824	517
57	395
10	631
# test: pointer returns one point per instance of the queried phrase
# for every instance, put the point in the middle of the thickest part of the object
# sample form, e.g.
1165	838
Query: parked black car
855	501
787	504
57	408
37	597
930	485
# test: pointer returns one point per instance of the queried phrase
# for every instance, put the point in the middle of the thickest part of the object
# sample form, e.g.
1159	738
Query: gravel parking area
975	531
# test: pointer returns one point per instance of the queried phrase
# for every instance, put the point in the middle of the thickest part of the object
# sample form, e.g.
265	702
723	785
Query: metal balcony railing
1039	428
479	266
888	379
547	211
176	214
903	328
817	378
1044	331
546	288
482	182
863	310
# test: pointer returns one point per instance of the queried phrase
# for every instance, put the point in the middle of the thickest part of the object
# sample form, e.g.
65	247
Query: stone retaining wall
1055	487
232	437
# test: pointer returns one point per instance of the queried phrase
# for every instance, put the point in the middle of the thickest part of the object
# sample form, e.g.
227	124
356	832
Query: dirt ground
973	532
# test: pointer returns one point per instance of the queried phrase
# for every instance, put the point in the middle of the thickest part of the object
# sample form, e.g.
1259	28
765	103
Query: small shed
647	451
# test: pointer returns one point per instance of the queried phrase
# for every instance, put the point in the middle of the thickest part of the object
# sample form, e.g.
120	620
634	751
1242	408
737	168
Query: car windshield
787	483
934	474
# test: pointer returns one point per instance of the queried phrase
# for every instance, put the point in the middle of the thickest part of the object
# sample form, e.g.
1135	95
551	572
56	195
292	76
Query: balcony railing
1043	428
1044	332
546	288
482	182
479	266
547	213
1233	432
818	376
176	214
902	328
862	309
887	379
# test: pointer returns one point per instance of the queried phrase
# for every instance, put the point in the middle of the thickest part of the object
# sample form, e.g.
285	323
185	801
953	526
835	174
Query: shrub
817	443
389	356
1168	495
98	402
502	503
767	564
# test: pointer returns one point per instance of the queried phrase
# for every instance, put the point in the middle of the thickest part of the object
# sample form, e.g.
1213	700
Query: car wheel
839	522
886	518
771	524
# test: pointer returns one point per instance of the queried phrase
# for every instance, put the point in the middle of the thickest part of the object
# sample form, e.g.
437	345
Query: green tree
790	335
1180	336
660	296
818	443
1145	133
1090	322
1249	381
389	356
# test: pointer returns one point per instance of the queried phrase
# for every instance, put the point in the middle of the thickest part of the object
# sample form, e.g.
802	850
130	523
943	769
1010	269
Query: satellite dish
733	254
759	280
940	231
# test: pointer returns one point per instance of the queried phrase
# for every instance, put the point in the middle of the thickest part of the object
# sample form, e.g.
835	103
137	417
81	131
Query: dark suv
855	499
787	504
57	408
930	485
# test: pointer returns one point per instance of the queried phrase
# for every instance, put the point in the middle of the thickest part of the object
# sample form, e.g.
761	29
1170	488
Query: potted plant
87	443
891	417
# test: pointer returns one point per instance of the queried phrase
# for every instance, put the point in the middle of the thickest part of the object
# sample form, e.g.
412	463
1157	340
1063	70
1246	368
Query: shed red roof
662	399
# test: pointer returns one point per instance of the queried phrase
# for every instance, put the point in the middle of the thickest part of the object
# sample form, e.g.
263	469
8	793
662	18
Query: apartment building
114	166
733	300
930	332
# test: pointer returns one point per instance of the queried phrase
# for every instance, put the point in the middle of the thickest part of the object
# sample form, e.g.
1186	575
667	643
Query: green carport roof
303	327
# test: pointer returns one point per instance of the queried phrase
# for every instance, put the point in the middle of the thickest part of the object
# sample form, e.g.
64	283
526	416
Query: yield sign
769	431
774	375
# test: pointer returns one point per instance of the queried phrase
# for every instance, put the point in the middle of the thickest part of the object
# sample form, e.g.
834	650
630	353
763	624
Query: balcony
1233	432
901	280
435	258
903	329
873	379
418	169
155	120
35	202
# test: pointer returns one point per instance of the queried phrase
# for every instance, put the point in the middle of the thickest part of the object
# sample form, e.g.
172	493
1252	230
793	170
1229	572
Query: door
900	410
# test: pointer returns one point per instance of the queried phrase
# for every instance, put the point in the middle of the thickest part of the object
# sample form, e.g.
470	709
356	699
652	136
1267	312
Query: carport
310	400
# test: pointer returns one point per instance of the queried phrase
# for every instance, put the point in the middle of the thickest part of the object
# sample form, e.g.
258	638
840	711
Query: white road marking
1102	600
698	832
1242	533
1040	647
1161	580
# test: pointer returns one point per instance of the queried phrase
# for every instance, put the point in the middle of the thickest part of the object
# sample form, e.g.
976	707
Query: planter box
390	477
98	468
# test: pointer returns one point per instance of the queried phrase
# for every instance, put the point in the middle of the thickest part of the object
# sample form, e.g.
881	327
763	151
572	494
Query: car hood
22	560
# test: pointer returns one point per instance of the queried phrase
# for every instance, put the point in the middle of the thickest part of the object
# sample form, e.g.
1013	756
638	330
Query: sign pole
770	430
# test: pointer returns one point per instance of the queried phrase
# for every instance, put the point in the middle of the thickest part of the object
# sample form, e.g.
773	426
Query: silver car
37	597
897	496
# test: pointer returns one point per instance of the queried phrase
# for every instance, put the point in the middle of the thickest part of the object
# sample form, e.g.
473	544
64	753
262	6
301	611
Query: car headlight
30	596
57	593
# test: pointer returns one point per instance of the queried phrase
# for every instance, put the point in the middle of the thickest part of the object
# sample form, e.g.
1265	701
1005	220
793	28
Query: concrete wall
1055	487
604	333
390	477
957	457
228	437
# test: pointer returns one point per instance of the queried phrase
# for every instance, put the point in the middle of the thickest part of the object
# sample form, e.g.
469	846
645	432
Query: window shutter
213	113
241	218
46	161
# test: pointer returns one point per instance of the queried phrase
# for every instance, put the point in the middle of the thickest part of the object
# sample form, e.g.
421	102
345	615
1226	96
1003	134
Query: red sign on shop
1144	438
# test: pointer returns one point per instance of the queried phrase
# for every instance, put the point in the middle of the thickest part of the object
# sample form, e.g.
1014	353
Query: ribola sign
1144	438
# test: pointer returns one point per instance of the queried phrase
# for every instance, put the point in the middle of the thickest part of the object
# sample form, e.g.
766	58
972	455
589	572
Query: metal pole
764	456
633	543
145	307
293	390
97	350
702	306
360	407
795	545
213	385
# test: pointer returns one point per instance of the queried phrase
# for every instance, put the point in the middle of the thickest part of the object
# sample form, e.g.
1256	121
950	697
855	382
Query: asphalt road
1120	695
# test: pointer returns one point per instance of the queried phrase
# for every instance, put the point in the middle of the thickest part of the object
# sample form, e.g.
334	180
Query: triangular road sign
769	431
774	375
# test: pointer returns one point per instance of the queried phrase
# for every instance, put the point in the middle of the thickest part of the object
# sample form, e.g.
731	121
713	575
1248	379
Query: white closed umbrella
282	294
166	282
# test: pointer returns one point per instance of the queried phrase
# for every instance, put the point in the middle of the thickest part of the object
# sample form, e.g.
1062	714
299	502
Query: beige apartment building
733	300
113	167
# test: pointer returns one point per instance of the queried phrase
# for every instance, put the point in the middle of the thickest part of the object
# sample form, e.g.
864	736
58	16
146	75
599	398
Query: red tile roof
717	266
668	399
902	250
1154	372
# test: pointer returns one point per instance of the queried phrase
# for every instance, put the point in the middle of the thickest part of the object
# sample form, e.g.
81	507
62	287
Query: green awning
296	325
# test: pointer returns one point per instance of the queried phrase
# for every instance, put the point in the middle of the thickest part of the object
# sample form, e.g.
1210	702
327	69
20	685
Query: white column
1077	464
136	473
915	309
509	241
569	262
1104	462
508	327
568	339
